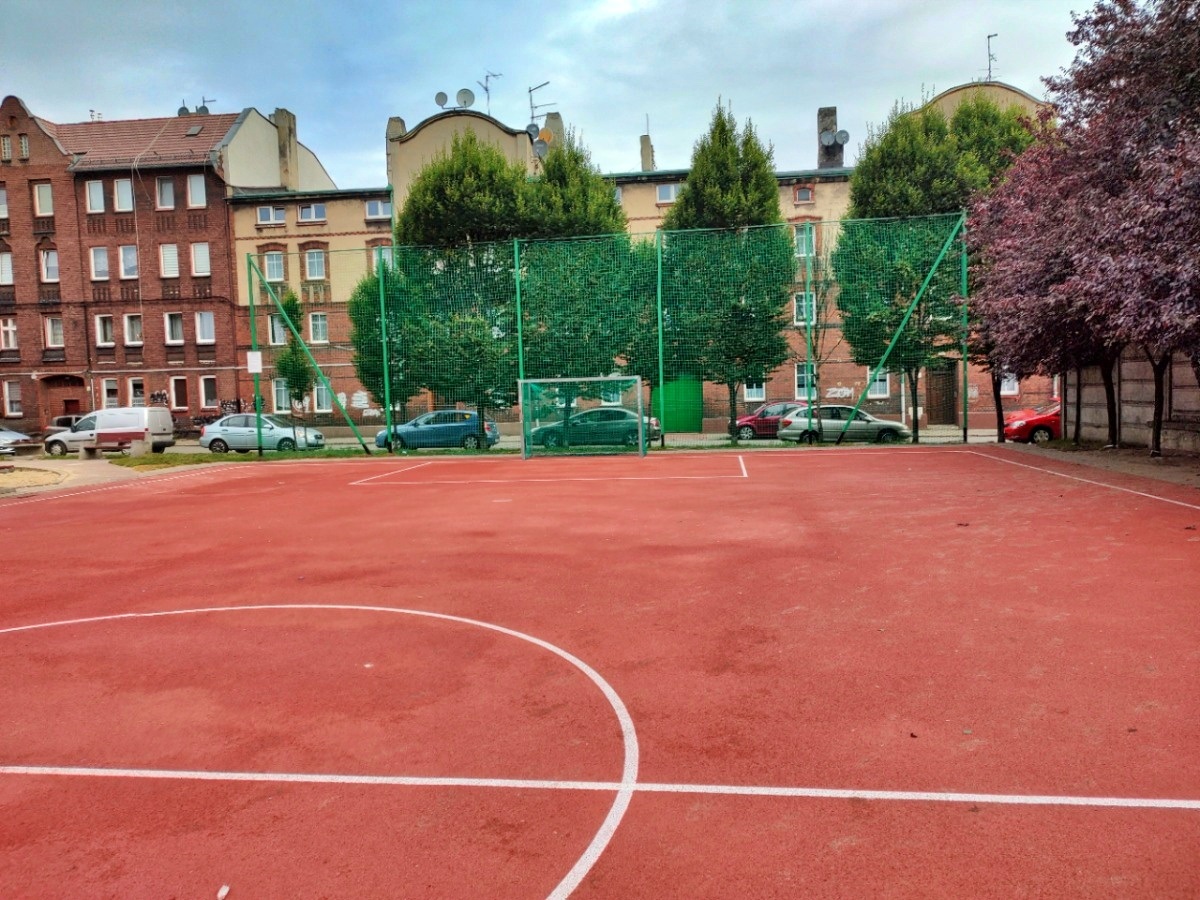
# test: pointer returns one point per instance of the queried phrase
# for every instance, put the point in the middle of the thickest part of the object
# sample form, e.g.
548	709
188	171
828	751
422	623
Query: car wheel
243	451
888	437
746	433
286	444
398	444
809	437
1040	435
218	446
56	448
470	442
552	439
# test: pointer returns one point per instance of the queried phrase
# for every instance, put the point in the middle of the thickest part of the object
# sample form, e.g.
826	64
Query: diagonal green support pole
383	345
966	324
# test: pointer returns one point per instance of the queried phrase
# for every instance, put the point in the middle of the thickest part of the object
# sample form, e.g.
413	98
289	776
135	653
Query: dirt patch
25	477
1176	468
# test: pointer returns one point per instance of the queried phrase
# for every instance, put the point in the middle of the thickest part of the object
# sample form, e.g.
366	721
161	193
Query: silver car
240	432
827	423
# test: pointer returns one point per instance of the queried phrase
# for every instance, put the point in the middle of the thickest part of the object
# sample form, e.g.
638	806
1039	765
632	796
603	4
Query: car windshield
277	421
1048	408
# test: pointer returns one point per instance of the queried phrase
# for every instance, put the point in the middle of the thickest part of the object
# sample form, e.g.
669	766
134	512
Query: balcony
314	292
130	292
170	289
197	221
43	225
164	223
10	356
201	288
54	355
124	224
101	293
97	225
4	225
8	295
49	293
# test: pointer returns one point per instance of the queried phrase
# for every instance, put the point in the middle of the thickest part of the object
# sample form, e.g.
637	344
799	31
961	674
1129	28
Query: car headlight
1020	423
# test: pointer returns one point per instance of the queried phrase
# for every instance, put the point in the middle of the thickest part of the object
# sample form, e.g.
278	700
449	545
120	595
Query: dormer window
312	212
270	215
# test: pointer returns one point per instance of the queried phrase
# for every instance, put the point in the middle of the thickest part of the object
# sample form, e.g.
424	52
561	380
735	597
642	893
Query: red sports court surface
910	672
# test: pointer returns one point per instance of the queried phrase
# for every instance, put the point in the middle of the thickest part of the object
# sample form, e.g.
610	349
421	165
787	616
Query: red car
764	421
1035	426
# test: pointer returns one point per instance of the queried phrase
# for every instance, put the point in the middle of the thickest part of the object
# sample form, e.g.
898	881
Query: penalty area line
609	786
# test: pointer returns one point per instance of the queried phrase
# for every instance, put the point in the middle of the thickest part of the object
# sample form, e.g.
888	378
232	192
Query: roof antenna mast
487	90
991	58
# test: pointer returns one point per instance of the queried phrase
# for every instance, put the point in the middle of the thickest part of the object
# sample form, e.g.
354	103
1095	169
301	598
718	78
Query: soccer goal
584	415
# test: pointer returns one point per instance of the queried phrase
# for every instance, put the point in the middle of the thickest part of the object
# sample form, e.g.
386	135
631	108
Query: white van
113	429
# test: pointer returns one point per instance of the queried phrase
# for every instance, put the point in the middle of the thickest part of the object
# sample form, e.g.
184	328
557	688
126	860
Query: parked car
593	427
442	428
10	440
114	428
1035	426
764	421
828	421
60	423
240	432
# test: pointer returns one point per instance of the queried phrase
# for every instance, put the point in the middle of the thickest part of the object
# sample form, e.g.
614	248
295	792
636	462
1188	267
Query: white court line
149	480
1111	487
608	786
393	472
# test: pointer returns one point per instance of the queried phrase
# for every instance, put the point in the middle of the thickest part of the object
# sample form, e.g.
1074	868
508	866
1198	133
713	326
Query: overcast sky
344	66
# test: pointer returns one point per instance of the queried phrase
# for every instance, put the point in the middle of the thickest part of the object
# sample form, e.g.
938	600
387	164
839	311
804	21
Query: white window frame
164	192
48	264
201	261
309	257
133	394
23	142
320	336
879	388
666	194
796	189
755	391
279	390
173	321
54	335
312	212
617	194
382	209
6	269
809	301
122	195
110	396
1010	385
270	258
168	260
808	371
105	337
322	397
94	196
172	397
12	398
271	215
127	331
3	202
197	192
43	199
800	232
8	333
99	255
5	147
206	327
277	331
127	253
209	398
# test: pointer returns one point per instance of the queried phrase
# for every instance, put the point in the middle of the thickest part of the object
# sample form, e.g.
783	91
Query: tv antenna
534	115
991	57
487	90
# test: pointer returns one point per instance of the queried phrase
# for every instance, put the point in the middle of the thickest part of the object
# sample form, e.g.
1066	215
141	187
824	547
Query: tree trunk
1107	366
1077	430
997	381
1194	358
732	385
1159	366
912	375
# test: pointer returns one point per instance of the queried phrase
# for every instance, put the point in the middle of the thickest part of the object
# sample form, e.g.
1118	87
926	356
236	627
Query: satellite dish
202	110
540	149
183	111
546	135
440	99
532	130
842	136
827	138
465	97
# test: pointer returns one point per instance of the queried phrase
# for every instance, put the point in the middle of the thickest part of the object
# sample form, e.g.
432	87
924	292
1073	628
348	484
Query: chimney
554	124
830	151
289	150
647	154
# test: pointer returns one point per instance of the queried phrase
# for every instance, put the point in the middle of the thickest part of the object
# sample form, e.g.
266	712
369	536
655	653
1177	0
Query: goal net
584	415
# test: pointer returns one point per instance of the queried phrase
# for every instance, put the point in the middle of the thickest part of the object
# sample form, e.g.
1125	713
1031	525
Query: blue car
444	428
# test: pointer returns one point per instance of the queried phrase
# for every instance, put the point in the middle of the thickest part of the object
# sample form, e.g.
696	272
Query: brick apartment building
117	285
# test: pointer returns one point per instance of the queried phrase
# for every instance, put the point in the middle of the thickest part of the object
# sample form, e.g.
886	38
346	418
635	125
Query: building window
43	200
174	327
283	400
164	193
314	265
12	398
322	397
804	308
133	329
208	392
802	194
3	202
129	261
5	147
205	328
54	333
23	140
179	392
8	333
669	193
880	387
379	209
112	397
6	272
805	236
755	391
95	196
99	264
104	331
806	381
617	195
318	328
200	263
270	215
273	265
312	212
168	260
49	266
137	392
123	195
197	197
1010	386
278	331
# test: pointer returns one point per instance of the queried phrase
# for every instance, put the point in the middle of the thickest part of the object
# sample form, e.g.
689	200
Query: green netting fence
714	323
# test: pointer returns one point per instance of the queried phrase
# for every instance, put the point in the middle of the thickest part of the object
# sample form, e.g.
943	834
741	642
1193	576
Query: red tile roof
146	142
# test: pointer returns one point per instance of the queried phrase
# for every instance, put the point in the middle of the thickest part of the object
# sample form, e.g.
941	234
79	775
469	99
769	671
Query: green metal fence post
662	383
250	270
966	323
520	317
810	312
383	346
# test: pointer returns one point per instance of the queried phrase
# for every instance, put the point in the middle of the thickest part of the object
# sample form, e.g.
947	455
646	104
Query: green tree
725	293
292	363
